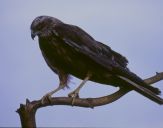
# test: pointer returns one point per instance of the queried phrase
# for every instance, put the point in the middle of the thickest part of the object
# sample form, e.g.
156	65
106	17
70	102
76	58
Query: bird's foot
46	98
73	95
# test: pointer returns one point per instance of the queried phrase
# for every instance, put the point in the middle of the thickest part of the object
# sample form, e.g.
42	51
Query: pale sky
132	27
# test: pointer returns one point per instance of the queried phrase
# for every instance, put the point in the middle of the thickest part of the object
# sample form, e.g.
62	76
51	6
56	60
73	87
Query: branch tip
27	101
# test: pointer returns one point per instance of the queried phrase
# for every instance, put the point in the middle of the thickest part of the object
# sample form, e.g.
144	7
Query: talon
46	98
73	95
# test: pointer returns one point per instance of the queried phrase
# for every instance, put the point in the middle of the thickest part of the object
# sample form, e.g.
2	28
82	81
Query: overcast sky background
132	27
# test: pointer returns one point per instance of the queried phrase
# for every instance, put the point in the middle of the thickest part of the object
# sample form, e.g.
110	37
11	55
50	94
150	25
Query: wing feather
84	43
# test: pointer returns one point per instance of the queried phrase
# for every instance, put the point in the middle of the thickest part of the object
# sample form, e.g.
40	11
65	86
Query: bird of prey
69	50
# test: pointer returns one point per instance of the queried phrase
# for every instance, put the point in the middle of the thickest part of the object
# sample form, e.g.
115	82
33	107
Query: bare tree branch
27	111
155	78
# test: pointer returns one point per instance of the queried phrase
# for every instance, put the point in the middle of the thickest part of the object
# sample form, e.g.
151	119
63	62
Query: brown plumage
69	50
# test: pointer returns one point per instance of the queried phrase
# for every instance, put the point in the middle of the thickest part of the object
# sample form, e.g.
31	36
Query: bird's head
42	26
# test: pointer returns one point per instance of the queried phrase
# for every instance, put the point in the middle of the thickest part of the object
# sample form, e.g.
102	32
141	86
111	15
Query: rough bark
27	111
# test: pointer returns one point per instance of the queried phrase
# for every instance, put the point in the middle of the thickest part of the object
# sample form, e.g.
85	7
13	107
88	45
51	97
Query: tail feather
136	79
139	81
149	93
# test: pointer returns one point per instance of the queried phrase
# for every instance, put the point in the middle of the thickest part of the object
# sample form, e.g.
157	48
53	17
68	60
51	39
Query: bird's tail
140	86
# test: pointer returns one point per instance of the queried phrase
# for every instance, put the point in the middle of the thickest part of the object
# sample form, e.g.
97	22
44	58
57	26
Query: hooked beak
33	35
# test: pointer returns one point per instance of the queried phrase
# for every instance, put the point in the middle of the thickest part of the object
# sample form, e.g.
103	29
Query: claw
46	98
73	95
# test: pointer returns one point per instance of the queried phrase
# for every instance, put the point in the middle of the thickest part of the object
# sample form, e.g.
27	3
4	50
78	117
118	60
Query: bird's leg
74	94
48	95
63	77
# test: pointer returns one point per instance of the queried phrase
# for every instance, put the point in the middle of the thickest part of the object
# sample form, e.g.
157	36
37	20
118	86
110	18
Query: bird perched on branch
69	50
